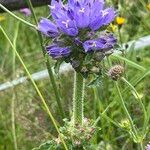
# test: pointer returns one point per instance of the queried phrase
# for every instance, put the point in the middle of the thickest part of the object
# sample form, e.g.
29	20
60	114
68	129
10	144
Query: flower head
26	11
75	27
120	20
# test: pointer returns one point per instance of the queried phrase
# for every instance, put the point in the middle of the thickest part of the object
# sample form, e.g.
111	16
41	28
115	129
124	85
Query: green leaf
46	146
129	62
96	82
88	58
57	66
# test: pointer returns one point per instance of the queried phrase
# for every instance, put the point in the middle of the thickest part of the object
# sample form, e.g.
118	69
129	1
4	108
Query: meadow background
32	124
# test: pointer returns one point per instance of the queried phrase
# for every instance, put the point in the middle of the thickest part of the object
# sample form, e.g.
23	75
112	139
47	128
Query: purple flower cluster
75	29
75	16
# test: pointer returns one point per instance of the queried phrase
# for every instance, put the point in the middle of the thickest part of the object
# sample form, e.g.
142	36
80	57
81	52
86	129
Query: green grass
32	124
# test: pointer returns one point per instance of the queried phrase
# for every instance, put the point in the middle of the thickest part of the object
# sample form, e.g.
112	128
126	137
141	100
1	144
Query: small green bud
125	123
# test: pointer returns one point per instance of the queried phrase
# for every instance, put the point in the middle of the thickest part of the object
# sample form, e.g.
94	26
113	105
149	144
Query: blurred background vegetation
32	124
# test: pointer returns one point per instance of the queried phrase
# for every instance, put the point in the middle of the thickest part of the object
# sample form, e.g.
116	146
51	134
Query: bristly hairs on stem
78	99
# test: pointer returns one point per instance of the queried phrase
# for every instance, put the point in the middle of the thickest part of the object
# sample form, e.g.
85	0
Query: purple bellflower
72	24
48	28
26	11
100	44
57	52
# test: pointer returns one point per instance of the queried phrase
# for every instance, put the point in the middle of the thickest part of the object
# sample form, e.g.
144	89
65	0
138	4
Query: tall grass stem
48	64
35	86
125	109
140	102
18	18
13	121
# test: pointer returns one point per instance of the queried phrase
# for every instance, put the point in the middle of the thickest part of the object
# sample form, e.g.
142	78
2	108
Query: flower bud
125	124
116	72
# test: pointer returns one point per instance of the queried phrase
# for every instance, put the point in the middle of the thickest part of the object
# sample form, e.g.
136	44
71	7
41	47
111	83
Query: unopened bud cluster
116	72
125	123
76	137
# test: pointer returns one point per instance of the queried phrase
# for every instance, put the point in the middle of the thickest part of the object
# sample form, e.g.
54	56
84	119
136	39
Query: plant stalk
78	99
13	119
18	18
36	88
140	102
48	64
126	110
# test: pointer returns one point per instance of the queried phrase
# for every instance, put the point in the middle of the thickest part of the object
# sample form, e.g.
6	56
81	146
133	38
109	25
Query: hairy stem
78	99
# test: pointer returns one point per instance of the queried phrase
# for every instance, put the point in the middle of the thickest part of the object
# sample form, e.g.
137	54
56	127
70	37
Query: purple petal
94	45
67	26
104	17
26	11
148	147
64	18
82	15
96	23
104	43
71	4
70	13
58	52
48	28
57	9
96	8
110	16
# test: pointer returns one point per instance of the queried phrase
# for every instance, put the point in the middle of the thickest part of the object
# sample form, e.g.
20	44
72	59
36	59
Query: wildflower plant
77	30
78	36
77	33
76	138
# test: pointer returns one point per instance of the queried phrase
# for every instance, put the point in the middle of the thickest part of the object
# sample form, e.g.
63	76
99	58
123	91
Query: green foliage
32	123
78	137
